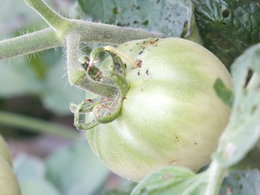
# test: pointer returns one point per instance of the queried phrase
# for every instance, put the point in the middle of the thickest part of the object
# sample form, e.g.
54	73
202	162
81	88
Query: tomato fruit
8	182
171	114
4	151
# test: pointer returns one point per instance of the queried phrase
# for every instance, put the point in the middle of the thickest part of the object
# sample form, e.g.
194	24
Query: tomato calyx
91	112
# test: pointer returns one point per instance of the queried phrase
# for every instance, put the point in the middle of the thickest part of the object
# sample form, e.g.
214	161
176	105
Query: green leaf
17	78
243	130
14	15
167	17
228	27
30	172
171	180
241	183
225	94
57	93
75	170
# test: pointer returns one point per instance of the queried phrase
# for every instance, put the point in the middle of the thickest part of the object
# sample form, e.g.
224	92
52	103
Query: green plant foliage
16	78
167	17
225	94
243	130
75	170
171	180
30	172
241	183
57	93
228	27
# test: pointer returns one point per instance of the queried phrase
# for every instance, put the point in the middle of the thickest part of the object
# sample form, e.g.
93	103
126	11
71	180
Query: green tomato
8	182
4	151
171	114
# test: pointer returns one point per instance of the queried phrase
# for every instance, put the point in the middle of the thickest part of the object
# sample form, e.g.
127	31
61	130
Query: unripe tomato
8	182
4	151
171	114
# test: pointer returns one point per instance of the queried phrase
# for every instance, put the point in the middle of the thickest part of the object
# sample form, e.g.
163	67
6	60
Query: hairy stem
108	34
36	125
78	76
216	176
29	43
56	21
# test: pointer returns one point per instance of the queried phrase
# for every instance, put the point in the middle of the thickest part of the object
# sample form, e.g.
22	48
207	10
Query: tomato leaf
225	94
243	130
228	27
74	168
30	172
167	17
241	183
171	180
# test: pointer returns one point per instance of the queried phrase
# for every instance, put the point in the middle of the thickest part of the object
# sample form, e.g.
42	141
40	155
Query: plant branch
109	34
36	125
56	21
29	43
48	38
216	176
78	76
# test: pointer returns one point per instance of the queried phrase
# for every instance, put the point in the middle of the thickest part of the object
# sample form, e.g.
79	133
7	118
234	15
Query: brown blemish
138	63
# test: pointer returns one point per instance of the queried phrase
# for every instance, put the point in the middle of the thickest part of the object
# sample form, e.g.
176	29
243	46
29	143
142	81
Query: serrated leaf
171	180
225	94
241	183
75	170
166	16
228	27
243	129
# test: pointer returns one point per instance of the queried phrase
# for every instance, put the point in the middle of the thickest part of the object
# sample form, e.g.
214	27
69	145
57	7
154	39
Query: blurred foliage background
36	86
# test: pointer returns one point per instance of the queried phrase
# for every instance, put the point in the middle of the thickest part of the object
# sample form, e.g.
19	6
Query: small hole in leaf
253	109
115	10
146	22
249	75
225	13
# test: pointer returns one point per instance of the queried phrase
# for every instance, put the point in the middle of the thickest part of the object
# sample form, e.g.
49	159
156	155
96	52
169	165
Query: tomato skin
4	151
171	114
8	182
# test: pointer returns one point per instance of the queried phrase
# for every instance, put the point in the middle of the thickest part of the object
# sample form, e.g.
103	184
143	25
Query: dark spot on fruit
158	1
153	42
135	22
130	50
142	90
225	13
138	63
138	73
115	10
195	143
147	72
141	52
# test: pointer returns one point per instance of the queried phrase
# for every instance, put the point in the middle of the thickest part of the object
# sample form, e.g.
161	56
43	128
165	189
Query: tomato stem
56	21
216	176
